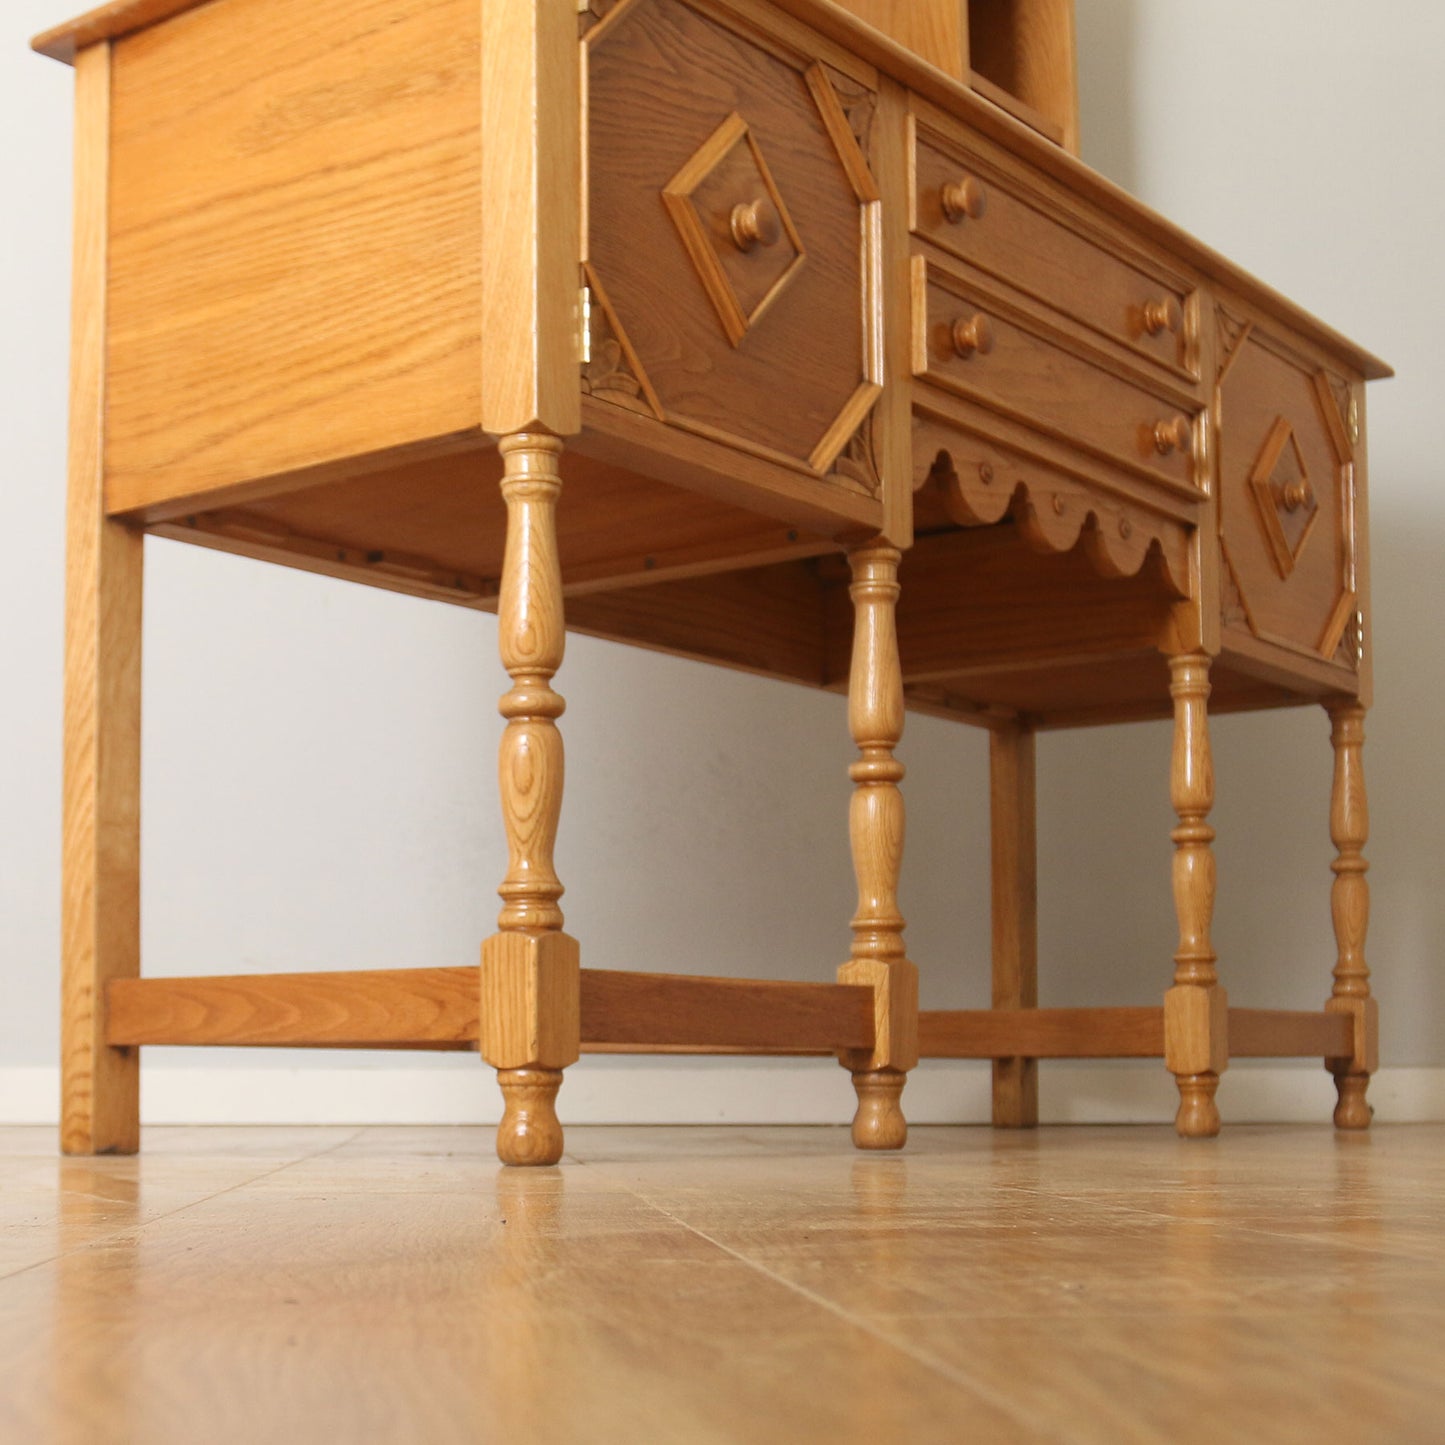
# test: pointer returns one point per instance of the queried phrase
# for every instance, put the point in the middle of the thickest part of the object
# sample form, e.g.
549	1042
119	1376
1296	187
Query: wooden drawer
732	239
981	348
1037	243
1287	496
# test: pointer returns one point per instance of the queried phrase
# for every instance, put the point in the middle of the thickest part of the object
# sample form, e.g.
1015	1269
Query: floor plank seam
921	1357
110	1236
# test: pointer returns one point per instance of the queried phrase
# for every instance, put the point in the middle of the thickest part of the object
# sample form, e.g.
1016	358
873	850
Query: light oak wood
893	421
633	1010
1195	1009
1350	911
414	1007
1015	1036
1008	1285
531	217
1287	1034
530	984
875	831
443	1008
106	22
1026	48
1012	364
300	281
934	30
1013	850
100	907
789	288
830	23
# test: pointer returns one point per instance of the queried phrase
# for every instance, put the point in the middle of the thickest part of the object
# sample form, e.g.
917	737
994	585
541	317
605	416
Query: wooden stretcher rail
1042	1033
1122	1033
439	1008
663	1010
401	1008
1263	1033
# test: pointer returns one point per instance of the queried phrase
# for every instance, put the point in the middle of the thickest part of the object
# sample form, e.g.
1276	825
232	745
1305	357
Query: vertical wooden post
1014	856
875	830
531	247
100	909
1350	909
1196	1046
531	979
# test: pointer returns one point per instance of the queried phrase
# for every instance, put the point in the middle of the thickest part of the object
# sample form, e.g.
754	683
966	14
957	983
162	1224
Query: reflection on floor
725	1284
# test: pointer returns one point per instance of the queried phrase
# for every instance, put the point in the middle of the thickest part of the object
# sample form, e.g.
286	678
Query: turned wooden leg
1015	913
875	830
1350	909
100	865
530	1004
1196	1048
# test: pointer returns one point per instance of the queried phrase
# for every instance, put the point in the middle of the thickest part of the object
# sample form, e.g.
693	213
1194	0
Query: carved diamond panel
735	225
1284	495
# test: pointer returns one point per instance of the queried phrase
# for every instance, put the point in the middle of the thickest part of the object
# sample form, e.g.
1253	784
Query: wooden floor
678	1285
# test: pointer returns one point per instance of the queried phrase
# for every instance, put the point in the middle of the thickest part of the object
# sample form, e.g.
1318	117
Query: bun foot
1198	1116
530	1132
1352	1112
879	1122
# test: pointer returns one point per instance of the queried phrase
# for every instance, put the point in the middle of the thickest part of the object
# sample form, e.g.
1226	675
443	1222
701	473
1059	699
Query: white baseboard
713	1091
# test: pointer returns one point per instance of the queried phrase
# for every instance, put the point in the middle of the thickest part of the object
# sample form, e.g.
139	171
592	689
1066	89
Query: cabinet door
733	240
1287	496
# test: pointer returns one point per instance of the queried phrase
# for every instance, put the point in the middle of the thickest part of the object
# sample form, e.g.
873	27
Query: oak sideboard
857	377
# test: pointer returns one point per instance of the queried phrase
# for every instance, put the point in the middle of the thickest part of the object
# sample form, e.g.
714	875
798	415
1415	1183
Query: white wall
319	757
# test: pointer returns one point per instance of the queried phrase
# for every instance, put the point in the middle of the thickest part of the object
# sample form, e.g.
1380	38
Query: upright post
875	830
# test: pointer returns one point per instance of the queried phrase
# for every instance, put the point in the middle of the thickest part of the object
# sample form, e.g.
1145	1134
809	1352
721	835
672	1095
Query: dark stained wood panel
664	79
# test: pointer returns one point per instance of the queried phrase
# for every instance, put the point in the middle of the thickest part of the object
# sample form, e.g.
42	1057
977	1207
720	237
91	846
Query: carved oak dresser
856	377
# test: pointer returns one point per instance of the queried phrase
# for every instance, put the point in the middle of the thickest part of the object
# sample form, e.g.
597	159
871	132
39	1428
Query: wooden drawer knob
972	334
1297	494
1162	315
1173	435
755	223
963	200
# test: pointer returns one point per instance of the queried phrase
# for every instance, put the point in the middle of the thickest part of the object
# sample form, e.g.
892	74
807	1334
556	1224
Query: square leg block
1196	1030
531	1000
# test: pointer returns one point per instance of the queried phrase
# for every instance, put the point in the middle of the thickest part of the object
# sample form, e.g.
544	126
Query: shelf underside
988	628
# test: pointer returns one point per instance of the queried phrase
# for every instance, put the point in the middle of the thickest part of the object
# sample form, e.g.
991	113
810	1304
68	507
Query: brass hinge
585	340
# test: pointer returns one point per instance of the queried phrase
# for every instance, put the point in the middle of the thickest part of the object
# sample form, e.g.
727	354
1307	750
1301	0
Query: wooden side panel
1288	500
100	911
1027	49
295	240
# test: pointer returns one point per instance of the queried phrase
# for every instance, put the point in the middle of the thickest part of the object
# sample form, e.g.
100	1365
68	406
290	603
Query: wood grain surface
1014	924
1034	1033
100	860
295	253
676	1284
